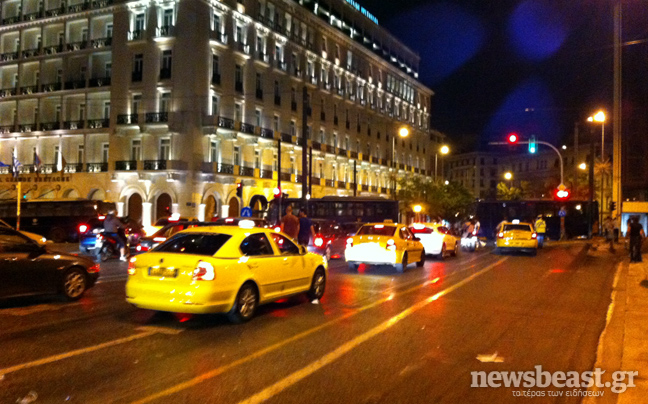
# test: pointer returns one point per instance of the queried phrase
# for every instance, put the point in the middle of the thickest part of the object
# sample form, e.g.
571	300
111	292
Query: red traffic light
239	185
562	194
513	138
277	192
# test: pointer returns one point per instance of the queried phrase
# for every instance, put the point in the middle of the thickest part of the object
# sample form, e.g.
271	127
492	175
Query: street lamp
417	209
599	117
582	166
402	132
443	150
509	177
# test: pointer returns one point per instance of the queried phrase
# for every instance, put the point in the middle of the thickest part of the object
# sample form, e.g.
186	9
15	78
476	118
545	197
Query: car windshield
377	230
520	227
193	243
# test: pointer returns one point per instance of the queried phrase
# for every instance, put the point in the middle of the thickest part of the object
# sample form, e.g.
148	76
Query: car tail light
349	242
319	241
83	228
131	266
391	245
93	269
277	229
534	235
102	217
500	235
159	239
204	272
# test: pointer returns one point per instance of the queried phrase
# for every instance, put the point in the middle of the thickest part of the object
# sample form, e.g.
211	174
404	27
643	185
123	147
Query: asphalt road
376	337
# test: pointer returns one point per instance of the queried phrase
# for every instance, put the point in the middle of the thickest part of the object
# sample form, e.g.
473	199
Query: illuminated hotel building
169	104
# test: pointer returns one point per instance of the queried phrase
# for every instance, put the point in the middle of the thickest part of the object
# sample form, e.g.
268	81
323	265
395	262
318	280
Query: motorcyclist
112	226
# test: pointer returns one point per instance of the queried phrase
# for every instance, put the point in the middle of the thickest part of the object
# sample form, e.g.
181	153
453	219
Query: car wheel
105	253
328	253
443	252
353	266
74	283
422	261
456	250
318	285
245	304
401	267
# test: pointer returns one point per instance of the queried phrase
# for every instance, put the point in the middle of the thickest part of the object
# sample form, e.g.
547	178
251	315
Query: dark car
235	221
89	231
329	239
27	268
160	236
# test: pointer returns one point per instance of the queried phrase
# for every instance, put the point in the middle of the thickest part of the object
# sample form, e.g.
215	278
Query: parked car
28	268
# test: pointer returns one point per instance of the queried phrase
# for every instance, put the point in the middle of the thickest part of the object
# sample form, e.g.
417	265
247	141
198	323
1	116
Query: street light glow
417	208
444	149
508	175
582	166
564	147
403	132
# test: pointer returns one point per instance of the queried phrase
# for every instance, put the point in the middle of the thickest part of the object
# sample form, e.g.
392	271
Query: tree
505	193
439	200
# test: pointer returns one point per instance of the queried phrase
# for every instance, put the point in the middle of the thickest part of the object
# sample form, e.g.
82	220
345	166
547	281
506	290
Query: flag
3	164
16	164
37	160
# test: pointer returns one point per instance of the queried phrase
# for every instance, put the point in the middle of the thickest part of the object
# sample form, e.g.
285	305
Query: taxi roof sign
516	221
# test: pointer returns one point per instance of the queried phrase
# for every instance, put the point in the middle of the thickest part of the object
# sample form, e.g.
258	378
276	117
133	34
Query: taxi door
268	269
293	264
413	249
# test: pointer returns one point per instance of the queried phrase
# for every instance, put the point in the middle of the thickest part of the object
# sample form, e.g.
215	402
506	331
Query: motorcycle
107	246
470	242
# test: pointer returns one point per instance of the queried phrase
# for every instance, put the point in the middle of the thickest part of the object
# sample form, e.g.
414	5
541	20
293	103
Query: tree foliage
438	200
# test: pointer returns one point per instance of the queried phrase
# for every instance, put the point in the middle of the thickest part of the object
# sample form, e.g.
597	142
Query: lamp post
509	177
599	117
443	150
403	132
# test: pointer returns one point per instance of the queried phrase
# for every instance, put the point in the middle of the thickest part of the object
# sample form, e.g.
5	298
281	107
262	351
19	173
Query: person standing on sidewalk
636	233
609	232
541	229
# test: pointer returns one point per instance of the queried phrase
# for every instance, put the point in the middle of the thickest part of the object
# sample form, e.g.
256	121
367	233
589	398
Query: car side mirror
302	250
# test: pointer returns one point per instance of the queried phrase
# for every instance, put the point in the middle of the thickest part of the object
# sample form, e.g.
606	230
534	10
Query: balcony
74	84
101	42
127	165
246	171
100	81
53	12
354	154
247	128
127	119
286	177
8	56
73	125
383	190
329	183
242	47
11	20
259	94
342	153
156	117
225	169
281	65
73	168
77	8
4	129
43	169
102	3
74	46
52	50
155	165
263	57
33	16
218	37
28	53
226	123
216	79
28	89
97	167
286	137
45	126
98	123
365	187
137	35
165	31
27	127
341	185
165	74
267	174
266	133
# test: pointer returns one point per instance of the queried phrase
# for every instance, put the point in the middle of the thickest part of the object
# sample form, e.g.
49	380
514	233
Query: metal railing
155	165
156	117
97	167
127	119
246	171
126	165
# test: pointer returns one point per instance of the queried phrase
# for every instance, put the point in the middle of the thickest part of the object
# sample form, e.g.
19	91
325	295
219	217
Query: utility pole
355	178
576	157
591	182
617	190
279	212
304	145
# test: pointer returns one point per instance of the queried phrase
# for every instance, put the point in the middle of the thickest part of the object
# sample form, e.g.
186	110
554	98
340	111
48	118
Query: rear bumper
377	256
178	299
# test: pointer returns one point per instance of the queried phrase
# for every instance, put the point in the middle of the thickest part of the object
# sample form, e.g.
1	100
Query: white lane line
25	311
146	332
332	356
220	370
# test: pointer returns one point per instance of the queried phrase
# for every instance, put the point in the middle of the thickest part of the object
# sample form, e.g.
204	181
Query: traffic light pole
562	179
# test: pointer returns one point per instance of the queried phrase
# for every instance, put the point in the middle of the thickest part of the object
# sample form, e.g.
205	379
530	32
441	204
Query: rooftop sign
363	10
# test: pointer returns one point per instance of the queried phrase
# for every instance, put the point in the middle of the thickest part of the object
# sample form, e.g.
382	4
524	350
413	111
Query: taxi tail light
131	266
204	272
534	235
349	242
391	244
277	229
319	241
83	228
93	269
500	235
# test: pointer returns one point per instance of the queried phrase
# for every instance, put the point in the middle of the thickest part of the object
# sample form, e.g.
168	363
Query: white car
436	239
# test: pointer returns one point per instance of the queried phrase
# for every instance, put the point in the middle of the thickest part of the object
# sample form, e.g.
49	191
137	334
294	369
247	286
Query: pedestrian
541	230
500	225
112	225
609	232
636	234
306	229
290	223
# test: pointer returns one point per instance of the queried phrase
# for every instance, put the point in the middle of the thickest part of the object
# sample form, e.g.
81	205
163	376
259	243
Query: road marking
146	332
218	371
25	311
332	356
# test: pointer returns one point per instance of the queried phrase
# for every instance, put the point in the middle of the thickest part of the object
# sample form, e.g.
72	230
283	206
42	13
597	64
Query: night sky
531	66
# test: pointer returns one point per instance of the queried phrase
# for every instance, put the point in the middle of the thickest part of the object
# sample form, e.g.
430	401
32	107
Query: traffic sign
246	212
562	212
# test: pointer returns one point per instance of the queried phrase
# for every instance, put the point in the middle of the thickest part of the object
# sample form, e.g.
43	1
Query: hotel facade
168	105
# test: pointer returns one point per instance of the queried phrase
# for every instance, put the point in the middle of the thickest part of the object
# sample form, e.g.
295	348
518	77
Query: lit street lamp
403	132
417	209
509	177
443	150
583	166
599	117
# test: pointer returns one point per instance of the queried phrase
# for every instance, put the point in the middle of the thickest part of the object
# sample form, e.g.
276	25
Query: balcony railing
97	167
279	64
72	125
354	154
277	100
100	81
45	126
8	56
77	8
27	53
4	129
246	171
293	105
27	127
365	187
322	116
74	84
51	50
285	177
136	76
259	94
98	123
247	128
242	47
51	87
73	46
155	165
73	168
33	16
383	190
28	89
225	169
264	57
156	117
218	37
342	153
53	12
335	120
216	78
238	86
101	42
286	137
43	168
165	31
267	133
137	35
127	119
11	20
266	174
341	184
226	123
329	183
127	165
101	3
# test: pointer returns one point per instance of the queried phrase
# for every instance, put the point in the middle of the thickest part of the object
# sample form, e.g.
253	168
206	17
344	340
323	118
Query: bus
56	220
342	209
578	222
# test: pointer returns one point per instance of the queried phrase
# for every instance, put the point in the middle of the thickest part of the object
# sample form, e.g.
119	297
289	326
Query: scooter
470	242
107	246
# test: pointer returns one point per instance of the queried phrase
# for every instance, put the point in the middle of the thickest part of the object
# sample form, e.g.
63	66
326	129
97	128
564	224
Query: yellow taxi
518	236
384	244
223	269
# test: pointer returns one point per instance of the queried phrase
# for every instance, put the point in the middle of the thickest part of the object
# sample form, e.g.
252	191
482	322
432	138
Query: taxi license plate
163	272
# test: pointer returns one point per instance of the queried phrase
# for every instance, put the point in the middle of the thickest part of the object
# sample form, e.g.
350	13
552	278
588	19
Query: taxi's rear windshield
193	243
520	227
376	230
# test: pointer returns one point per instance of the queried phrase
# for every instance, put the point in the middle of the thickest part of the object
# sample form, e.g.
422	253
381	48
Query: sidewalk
623	345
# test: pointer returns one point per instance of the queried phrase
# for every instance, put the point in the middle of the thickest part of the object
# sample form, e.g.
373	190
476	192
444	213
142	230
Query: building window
137	99
167	19
165	149
136	150
57	154
238	113
139	23
275	161
106	110
293	129
215	69
165	70
80	153
237	156
259	87
104	152
257	159
215	105
138	67
213	151
275	126
165	101
257	117
238	79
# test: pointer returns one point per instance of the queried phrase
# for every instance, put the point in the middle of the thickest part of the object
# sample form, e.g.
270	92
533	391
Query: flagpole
18	194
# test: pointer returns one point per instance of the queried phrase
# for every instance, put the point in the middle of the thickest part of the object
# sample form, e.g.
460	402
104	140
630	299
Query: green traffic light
532	145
